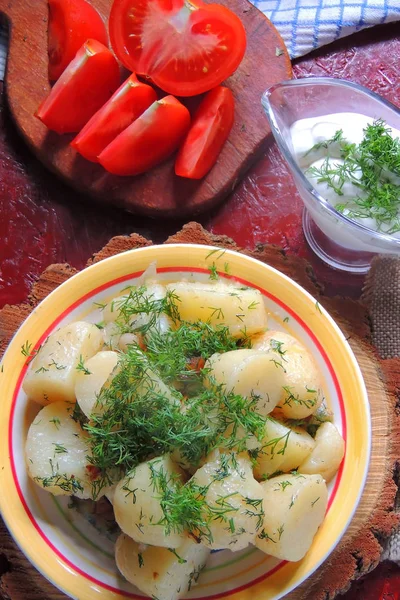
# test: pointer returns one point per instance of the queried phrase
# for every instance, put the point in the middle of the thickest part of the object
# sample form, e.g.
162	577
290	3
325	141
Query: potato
137	505
100	370
250	374
295	508
128	339
56	452
327	454
158	572
122	308
302	387
234	496
52	373
241	310
282	449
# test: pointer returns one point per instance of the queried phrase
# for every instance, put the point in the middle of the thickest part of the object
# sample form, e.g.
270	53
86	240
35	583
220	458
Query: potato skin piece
327	454
295	508
52	373
241	310
137	506
56	450
158	572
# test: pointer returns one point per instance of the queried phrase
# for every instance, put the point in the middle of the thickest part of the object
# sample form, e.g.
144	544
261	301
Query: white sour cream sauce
305	133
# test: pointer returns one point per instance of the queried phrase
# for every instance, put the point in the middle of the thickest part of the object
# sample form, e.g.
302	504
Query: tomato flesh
210	129
185	46
130	100
71	23
85	85
154	136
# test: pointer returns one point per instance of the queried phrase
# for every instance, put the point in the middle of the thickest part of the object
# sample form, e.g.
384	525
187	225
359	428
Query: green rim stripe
79	532
231	562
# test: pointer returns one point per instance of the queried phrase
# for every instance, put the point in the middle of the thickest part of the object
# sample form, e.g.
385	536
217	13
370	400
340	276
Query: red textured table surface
42	221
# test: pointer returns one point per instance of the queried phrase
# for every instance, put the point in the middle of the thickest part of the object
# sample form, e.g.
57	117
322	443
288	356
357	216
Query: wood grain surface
360	549
158	193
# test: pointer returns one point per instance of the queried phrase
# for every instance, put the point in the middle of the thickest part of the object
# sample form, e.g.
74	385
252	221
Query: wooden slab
158	193
360	549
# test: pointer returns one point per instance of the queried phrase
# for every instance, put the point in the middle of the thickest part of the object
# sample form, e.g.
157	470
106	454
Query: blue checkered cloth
308	24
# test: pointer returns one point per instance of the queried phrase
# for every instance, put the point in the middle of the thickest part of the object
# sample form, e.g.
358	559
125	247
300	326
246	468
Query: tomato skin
71	23
185	46
210	129
130	100
86	84
154	136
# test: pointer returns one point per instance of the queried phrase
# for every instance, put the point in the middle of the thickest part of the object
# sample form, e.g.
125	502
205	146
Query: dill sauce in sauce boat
321	158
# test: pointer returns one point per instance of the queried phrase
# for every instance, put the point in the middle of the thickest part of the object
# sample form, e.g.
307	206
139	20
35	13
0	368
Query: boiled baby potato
99	371
123	308
241	310
282	449
295	508
234	497
137	505
160	572
52	373
249	373
302	388
56	452
327	454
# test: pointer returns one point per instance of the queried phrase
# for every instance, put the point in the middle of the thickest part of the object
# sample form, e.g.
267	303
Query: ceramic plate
63	544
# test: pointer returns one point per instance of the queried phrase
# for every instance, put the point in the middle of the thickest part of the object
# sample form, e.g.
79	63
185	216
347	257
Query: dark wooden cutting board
158	193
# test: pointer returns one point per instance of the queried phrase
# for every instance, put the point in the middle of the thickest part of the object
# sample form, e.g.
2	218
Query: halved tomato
208	133
154	136
185	46
125	105
71	23
86	84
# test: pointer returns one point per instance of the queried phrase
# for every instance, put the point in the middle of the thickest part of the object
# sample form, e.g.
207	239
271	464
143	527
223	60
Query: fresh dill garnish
181	560
140	560
213	272
336	138
56	365
67	483
81	366
26	349
290	398
312	503
373	167
139	311
170	352
59	449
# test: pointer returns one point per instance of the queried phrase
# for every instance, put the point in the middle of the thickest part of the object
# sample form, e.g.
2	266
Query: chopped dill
373	166
81	366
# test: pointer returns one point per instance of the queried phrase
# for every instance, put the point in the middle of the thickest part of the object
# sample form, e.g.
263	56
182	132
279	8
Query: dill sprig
171	351
373	166
139	311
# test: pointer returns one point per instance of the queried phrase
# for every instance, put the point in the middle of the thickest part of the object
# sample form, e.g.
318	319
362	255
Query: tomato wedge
86	84
209	131
150	139
71	23
124	106
185	46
